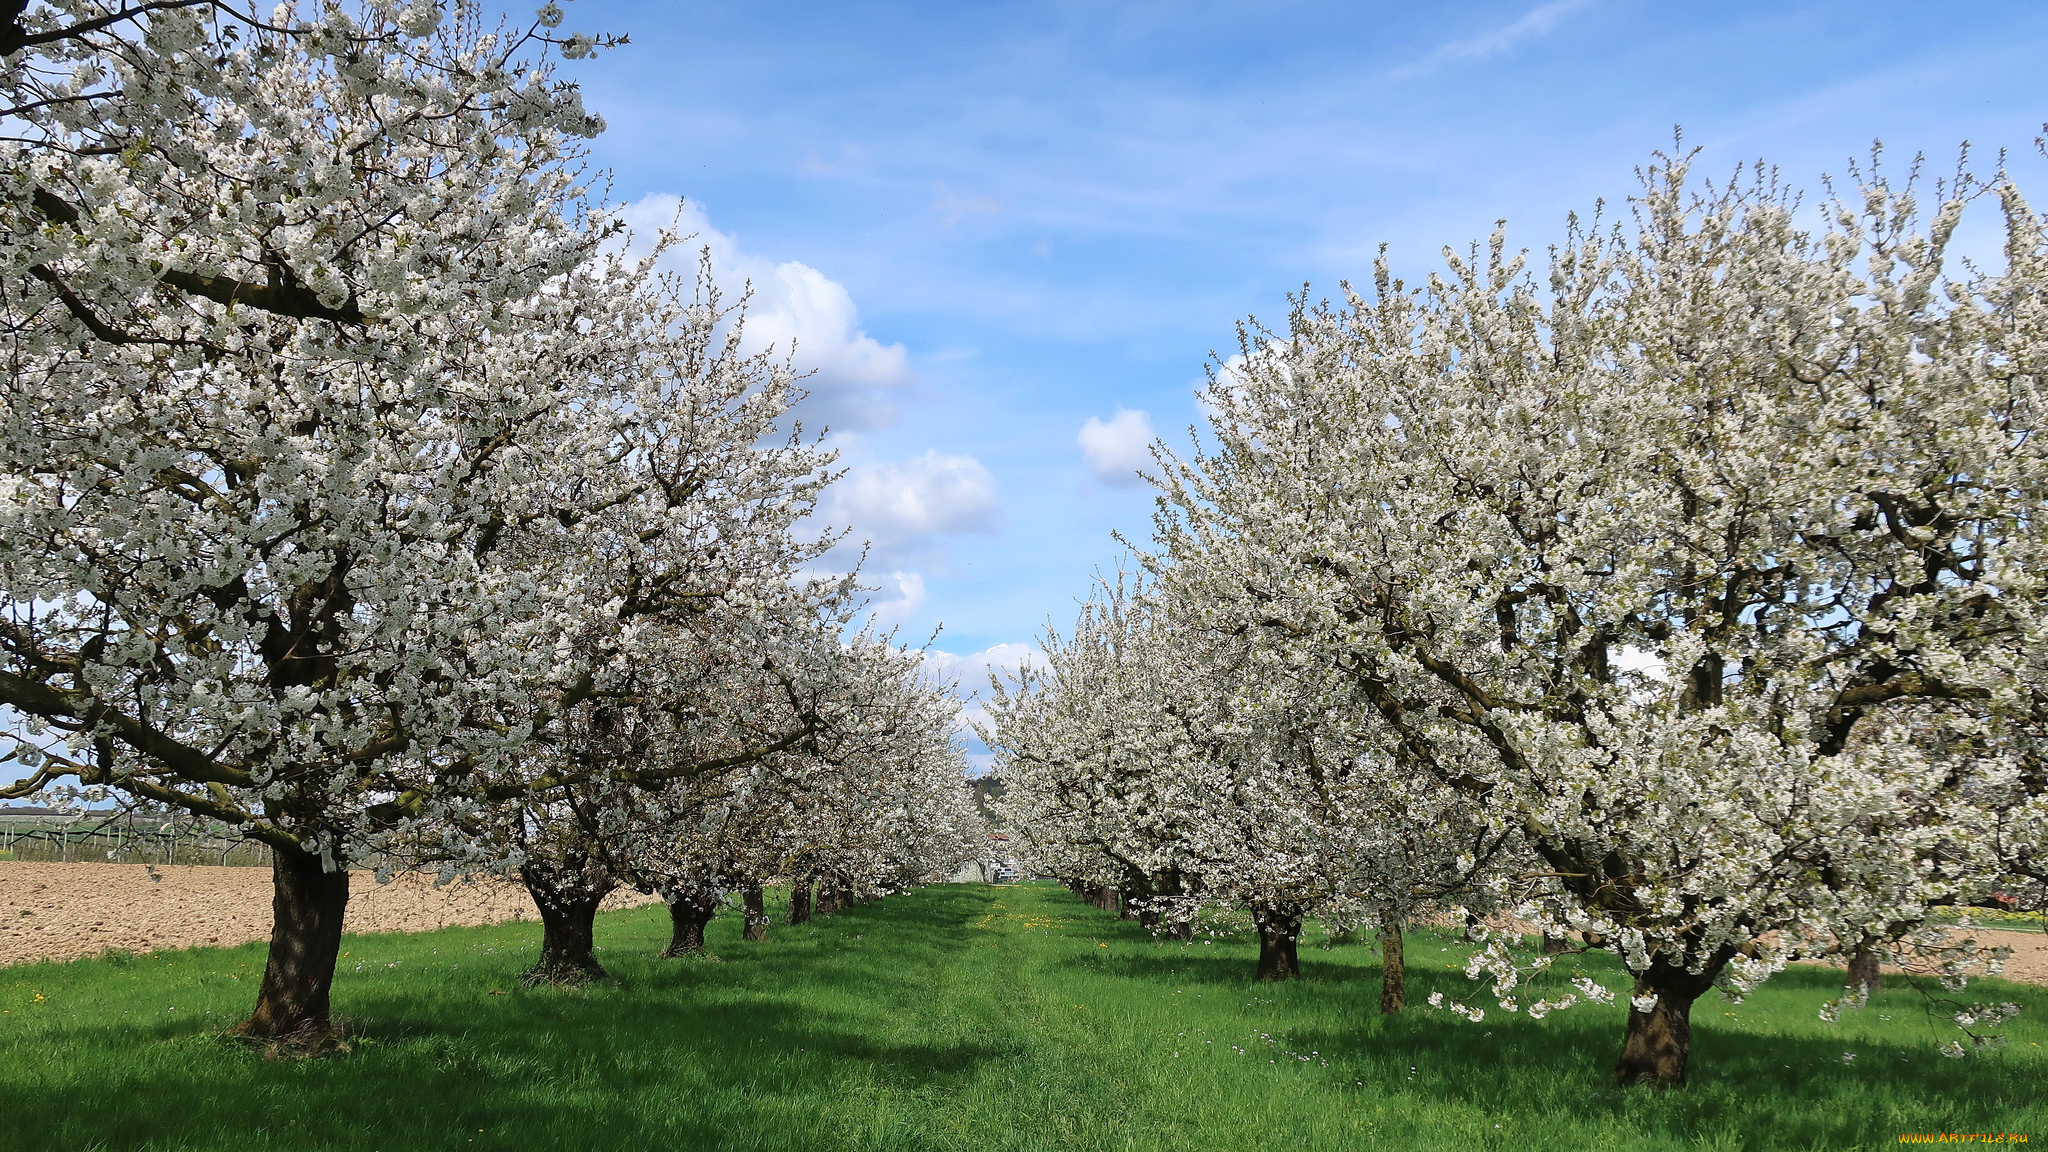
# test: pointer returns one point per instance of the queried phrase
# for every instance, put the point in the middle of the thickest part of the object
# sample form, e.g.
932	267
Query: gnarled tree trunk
1659	1041
1279	929
1863	971
688	913
306	905
756	909
1393	969
568	896
831	898
800	901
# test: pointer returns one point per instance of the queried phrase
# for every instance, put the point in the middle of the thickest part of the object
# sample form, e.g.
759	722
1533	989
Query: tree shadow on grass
670	1053
1779	1083
597	1075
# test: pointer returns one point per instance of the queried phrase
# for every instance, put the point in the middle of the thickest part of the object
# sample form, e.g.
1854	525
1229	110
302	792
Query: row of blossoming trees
1684	598
364	489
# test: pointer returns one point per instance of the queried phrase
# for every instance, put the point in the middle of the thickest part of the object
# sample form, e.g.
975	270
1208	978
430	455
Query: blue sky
989	223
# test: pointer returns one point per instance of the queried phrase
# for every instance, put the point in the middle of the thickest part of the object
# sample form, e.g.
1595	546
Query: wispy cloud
953	207
1536	22
850	158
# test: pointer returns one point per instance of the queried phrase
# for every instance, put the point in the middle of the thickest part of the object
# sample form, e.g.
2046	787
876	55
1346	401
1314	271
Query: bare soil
2028	963
65	911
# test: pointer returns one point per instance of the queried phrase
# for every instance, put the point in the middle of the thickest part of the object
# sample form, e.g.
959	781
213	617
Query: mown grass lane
958	1017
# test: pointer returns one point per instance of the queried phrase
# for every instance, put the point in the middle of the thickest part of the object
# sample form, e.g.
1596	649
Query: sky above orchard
1007	235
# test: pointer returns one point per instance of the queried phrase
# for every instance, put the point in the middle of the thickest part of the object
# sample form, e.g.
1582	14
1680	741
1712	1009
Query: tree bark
1393	969
1279	931
1108	899
568	899
307	904
1554	945
1863	971
800	901
756	909
687	916
1658	1044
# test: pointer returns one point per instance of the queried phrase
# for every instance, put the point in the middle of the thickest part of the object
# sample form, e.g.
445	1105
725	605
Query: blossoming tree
1651	555
343	448
1184	767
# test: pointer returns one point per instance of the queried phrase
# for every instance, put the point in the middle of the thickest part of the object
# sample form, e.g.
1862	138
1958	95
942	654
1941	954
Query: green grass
958	1017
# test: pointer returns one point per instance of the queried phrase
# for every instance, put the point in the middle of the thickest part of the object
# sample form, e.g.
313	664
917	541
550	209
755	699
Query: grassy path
960	1017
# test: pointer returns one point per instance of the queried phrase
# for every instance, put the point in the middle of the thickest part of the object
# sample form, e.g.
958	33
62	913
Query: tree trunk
1108	899
306	906
687	916
568	900
1863	971
1161	891
1279	930
1659	1042
756	913
1554	945
1393	969
800	901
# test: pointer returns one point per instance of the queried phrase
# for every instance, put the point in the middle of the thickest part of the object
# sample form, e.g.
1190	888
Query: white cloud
900	508
969	676
900	595
855	381
1117	450
972	670
1534	23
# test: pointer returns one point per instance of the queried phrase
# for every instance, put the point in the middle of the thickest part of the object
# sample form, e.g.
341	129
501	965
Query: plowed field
64	911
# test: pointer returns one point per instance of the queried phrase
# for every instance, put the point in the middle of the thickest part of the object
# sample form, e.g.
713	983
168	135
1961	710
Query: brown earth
2028	963
65	911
